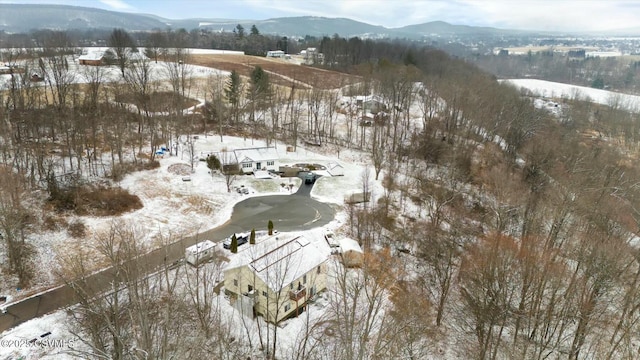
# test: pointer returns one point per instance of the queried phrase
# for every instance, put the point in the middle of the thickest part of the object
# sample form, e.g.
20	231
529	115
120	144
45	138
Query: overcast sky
555	15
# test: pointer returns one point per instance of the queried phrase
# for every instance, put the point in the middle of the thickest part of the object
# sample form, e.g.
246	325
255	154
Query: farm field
282	72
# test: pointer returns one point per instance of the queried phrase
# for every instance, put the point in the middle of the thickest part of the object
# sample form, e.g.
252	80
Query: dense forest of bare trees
499	223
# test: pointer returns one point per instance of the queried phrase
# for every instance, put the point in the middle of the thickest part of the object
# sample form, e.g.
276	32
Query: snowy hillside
550	89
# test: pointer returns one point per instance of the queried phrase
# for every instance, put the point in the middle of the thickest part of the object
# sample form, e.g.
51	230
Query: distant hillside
21	18
443	28
306	25
25	17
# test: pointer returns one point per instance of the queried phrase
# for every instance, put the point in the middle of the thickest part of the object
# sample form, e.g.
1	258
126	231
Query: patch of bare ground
281	71
198	203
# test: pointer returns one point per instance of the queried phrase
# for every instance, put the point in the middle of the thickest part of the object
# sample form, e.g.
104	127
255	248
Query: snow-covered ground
82	74
550	89
63	342
16	343
174	206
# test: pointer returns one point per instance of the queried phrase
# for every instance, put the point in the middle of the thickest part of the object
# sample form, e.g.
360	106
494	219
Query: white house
254	159
277	276
200	252
335	169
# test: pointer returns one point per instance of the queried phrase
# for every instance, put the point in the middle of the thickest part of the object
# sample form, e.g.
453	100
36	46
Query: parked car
242	238
330	237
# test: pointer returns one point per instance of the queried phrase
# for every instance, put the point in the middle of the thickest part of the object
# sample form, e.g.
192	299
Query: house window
287	308
250	288
304	279
247	165
235	282
271	163
264	293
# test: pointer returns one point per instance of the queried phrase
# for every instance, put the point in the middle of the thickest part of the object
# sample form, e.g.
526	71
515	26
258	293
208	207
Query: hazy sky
580	15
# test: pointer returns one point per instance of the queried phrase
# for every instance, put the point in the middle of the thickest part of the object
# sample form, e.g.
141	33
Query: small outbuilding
200	252
352	254
275	54
335	169
93	58
36	77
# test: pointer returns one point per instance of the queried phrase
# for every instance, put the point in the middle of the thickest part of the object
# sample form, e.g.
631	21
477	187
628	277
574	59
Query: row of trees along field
519	226
619	73
251	41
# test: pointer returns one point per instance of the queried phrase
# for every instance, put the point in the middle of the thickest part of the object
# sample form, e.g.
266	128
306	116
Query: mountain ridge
25	17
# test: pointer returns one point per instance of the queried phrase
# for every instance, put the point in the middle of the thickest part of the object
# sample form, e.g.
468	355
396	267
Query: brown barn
94	58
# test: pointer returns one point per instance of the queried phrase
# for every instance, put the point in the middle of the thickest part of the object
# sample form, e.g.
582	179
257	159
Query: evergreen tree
270	227
252	237
259	81
213	163
232	92
258	90
234	244
239	30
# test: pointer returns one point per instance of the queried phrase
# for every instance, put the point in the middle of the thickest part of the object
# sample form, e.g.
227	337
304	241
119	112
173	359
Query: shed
200	252
352	254
335	169
93	58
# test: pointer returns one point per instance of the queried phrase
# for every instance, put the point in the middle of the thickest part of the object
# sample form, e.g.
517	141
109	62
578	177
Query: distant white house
311	56
255	159
249	160
371	103
335	169
93	58
200	252
275	54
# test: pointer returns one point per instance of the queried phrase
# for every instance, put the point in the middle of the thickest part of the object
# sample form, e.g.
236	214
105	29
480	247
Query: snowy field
176	208
82	74
61	339
550	89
